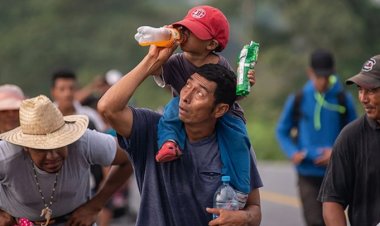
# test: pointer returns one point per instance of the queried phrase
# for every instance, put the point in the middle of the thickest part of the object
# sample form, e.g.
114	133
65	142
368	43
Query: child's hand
252	77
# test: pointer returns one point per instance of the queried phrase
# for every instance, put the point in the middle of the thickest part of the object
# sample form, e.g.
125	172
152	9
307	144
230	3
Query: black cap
369	76
322	62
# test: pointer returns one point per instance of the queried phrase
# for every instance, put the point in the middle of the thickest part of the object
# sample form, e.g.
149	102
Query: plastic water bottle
162	36
225	196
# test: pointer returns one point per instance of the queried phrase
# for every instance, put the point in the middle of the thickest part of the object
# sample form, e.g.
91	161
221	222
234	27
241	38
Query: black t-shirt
353	174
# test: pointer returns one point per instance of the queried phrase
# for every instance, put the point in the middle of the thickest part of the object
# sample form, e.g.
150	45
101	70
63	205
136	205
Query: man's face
50	161
370	99
321	83
197	100
63	92
9	119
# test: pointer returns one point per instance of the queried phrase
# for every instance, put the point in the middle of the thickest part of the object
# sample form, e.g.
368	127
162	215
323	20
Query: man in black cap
353	174
316	114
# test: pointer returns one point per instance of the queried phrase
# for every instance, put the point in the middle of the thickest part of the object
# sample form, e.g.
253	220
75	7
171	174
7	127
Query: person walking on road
353	174
309	124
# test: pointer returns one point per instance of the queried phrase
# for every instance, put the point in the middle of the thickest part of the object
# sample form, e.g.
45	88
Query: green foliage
262	136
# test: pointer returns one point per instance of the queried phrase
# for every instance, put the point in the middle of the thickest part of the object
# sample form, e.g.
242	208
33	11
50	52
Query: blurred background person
63	88
120	203
11	97
91	93
310	122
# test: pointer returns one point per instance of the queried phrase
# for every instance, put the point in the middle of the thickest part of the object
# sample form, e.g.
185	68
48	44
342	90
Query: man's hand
85	215
298	157
160	55
249	216
228	217
6	219
324	159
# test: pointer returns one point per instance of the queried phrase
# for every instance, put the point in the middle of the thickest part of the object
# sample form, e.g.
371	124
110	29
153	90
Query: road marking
280	198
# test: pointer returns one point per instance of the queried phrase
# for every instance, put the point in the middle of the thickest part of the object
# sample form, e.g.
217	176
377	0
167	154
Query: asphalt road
279	199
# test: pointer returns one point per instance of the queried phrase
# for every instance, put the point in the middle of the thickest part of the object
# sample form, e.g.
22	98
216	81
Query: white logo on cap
369	65
198	13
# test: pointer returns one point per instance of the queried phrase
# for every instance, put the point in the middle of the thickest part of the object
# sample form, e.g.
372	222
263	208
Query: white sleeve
159	79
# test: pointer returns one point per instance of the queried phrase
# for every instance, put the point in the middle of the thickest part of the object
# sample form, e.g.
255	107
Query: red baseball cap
207	22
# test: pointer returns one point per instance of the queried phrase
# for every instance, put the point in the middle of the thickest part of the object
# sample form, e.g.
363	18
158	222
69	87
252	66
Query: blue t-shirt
176	192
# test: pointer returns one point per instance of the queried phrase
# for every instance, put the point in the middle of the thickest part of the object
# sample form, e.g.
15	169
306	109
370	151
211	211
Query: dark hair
64	73
225	80
322	62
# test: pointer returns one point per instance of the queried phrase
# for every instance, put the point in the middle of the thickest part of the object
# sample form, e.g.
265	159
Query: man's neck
67	111
199	131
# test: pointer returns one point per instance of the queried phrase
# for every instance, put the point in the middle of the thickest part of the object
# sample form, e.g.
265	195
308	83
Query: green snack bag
247	60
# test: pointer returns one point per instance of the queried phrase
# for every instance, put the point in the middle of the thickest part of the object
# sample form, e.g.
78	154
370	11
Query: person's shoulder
224	62
92	136
354	128
9	150
176	57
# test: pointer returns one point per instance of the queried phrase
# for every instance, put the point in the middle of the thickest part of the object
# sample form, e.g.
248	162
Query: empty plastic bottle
225	196
162	36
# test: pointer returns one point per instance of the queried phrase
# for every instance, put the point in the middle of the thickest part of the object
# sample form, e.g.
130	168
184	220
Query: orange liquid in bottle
174	36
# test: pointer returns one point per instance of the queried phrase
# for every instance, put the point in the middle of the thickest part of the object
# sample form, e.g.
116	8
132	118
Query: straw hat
42	126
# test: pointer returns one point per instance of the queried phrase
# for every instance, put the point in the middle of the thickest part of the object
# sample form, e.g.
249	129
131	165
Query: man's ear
221	109
213	44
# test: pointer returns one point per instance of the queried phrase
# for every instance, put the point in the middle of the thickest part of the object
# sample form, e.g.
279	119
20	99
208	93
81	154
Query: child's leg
234	148
171	134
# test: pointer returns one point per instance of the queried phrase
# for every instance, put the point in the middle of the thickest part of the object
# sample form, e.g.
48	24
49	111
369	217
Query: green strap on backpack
297	114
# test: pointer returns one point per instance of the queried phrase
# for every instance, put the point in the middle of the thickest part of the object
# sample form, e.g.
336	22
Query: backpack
342	101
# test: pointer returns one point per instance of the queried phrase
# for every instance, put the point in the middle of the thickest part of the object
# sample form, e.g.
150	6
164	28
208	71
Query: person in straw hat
353	174
45	166
10	100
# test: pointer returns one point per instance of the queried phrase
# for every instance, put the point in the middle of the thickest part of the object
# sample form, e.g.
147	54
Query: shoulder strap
342	101
297	106
296	114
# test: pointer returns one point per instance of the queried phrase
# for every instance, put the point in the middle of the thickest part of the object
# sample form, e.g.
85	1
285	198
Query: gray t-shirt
176	192
18	191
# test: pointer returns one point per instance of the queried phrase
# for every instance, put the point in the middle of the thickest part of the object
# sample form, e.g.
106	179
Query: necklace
46	212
